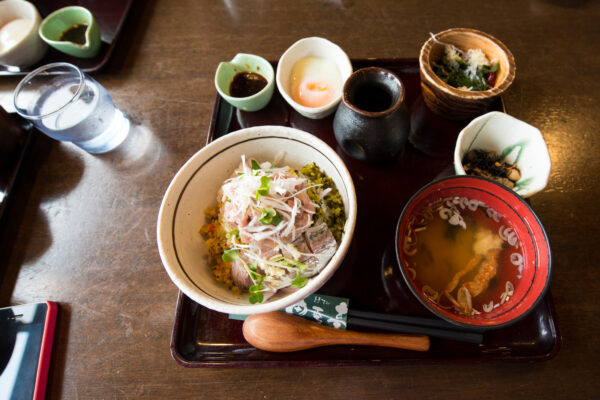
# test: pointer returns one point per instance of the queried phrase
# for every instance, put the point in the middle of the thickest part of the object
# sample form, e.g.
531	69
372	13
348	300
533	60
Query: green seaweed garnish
451	232
455	74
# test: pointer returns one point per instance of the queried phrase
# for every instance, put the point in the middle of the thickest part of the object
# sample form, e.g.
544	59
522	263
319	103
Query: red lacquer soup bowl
473	252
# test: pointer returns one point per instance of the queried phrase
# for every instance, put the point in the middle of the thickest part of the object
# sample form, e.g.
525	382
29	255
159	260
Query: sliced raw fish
302	253
322	243
240	276
266	248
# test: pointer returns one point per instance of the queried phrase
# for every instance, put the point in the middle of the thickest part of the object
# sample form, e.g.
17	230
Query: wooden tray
369	275
110	15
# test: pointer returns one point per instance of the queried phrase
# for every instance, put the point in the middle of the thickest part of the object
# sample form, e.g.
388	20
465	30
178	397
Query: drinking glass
68	105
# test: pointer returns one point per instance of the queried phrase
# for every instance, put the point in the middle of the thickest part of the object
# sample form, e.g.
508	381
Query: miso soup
463	255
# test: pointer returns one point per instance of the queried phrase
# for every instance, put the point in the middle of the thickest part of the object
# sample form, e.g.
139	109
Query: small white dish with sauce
20	44
311	75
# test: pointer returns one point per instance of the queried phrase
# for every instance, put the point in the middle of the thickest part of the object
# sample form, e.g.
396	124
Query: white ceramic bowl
316	47
503	134
194	188
26	47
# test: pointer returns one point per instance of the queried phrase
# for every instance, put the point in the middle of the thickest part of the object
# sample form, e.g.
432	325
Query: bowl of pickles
502	148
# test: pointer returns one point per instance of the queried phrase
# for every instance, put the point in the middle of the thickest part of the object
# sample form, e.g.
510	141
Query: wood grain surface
81	231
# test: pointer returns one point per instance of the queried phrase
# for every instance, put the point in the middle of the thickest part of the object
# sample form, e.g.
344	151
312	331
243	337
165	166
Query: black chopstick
418	325
411	320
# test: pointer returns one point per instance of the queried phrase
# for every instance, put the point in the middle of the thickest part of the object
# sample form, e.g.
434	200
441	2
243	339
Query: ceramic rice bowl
194	189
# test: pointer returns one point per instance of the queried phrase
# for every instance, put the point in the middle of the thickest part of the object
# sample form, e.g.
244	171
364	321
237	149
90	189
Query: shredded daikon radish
269	219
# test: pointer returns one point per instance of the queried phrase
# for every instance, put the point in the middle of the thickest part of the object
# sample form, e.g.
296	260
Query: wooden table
82	232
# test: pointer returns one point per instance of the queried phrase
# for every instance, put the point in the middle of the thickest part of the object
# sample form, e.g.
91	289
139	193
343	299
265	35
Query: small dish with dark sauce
246	82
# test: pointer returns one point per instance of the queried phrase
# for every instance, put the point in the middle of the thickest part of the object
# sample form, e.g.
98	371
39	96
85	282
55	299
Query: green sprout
270	217
263	190
299	281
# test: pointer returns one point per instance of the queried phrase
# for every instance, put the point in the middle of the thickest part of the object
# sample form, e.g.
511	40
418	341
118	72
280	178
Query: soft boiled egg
315	81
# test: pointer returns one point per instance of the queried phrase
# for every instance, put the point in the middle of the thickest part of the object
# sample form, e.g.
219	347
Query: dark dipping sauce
246	84
75	34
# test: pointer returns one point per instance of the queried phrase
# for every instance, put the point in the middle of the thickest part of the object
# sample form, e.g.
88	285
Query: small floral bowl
520	263
515	141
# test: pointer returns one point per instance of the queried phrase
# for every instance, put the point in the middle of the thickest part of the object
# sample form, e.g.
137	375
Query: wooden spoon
280	332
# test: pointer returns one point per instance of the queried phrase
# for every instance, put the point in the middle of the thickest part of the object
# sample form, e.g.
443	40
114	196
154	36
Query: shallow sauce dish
523	271
57	24
194	188
245	63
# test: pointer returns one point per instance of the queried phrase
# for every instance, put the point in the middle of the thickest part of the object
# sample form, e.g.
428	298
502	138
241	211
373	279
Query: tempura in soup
460	252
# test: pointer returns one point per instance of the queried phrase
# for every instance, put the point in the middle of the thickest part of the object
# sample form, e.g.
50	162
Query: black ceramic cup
372	123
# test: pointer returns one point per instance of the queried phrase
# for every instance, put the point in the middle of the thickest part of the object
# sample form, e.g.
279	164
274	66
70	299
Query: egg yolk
313	93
